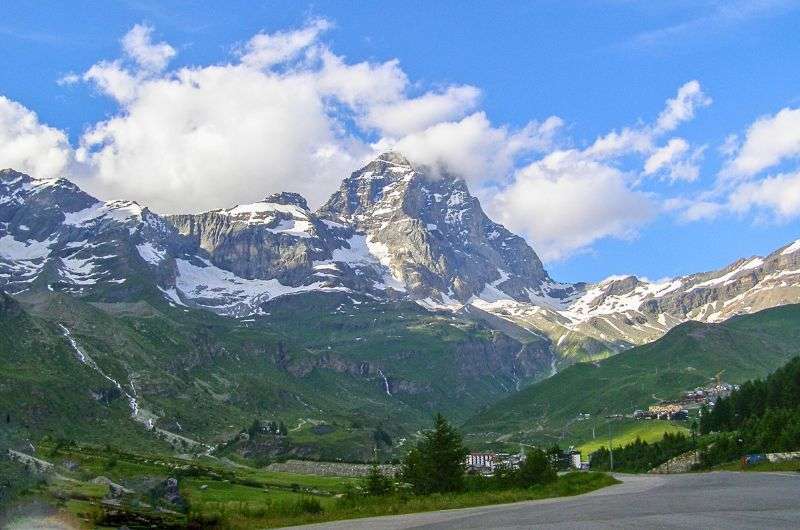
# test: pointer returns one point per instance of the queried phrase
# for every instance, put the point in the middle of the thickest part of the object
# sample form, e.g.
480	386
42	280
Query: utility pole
610	447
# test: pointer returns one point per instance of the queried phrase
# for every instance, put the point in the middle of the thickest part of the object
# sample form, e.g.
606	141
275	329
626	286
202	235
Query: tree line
762	416
640	456
437	465
759	417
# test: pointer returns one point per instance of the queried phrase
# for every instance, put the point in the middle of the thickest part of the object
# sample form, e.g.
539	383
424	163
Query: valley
396	299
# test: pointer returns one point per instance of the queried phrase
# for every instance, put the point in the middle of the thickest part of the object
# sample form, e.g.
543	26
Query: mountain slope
393	231
688	356
397	298
98	370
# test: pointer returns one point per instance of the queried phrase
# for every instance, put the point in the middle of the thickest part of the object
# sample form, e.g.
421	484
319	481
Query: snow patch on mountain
28	250
150	253
222	291
116	210
794	247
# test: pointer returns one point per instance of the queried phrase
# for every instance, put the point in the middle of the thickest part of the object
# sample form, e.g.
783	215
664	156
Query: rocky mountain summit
393	231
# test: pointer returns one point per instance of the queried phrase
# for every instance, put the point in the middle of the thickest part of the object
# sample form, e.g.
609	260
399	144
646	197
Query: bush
308	505
376	483
535	470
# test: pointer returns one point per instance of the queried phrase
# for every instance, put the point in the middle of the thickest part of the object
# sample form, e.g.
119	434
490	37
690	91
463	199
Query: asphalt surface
699	500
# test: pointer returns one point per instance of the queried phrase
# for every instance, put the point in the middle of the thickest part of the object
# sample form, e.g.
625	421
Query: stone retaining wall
329	469
680	464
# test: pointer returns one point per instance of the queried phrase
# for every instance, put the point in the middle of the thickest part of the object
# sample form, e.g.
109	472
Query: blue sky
494	76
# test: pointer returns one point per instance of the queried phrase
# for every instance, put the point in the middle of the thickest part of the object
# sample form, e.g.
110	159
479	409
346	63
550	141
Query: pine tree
376	482
436	464
535	470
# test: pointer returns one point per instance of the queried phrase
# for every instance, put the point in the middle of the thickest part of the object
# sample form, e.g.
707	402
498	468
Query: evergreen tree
376	483
436	464
254	429
535	470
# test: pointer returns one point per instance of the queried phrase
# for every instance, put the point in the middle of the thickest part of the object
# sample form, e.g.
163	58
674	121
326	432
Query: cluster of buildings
691	399
487	463
710	394
663	411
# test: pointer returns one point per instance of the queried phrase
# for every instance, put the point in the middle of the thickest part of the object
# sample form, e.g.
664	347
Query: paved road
702	500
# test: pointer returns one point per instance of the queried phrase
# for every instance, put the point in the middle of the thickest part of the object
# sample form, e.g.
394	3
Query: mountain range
399	293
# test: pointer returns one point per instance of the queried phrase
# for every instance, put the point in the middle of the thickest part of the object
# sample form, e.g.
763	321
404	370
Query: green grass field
647	431
218	495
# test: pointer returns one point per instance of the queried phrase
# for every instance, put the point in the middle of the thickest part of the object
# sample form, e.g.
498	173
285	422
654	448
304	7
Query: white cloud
779	194
112	80
138	45
769	141
29	146
358	85
566	201
413	115
665	155
216	136
572	198
267	49
472	148
641	139
690	97
691	210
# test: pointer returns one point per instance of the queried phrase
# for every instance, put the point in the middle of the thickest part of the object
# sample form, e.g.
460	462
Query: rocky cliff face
275	238
432	234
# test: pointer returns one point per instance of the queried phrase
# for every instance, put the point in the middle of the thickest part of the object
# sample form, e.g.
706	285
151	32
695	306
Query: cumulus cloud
268	49
769	141
682	107
138	45
566	201
413	115
571	198
215	136
288	113
473	149
742	187
779	194
29	146
663	156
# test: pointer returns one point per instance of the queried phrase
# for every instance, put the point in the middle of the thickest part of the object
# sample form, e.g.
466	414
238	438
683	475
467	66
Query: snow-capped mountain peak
392	230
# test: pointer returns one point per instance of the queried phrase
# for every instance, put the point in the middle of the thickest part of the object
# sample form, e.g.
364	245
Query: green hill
690	355
340	372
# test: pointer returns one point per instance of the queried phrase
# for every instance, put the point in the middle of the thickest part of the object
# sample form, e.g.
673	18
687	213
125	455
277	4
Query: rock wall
329	469
680	464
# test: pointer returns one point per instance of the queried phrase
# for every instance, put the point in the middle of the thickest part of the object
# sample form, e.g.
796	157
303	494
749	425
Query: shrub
535	470
308	505
376	483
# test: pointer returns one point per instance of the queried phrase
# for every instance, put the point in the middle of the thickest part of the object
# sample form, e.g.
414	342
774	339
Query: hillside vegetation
690	355
342	374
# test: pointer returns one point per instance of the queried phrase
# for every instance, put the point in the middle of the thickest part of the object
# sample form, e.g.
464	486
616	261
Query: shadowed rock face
434	236
390	221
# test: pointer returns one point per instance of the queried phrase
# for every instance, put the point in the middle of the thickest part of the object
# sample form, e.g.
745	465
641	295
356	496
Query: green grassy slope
688	356
311	361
